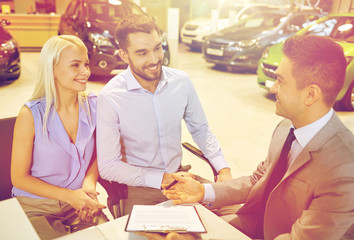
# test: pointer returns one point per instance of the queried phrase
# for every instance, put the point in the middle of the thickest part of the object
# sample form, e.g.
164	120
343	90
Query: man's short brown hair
132	24
317	60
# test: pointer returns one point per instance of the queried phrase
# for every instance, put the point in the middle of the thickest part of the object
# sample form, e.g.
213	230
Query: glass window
266	21
104	11
323	28
339	28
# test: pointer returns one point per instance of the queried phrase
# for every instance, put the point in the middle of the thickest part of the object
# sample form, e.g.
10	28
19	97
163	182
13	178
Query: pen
170	185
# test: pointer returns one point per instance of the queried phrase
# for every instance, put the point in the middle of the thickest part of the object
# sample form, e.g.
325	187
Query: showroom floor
240	114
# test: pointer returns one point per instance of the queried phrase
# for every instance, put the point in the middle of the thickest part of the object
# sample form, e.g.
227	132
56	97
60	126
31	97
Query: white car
194	31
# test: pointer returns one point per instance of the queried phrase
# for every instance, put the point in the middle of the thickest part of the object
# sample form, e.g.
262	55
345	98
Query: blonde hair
45	85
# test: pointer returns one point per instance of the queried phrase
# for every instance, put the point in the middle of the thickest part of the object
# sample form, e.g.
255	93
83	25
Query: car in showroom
10	68
340	27
193	32
239	47
94	22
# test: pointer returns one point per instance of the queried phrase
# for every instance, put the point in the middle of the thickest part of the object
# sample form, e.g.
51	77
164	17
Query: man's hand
224	174
167	177
187	190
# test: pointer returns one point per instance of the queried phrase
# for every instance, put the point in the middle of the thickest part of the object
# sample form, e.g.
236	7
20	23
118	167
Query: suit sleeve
236	191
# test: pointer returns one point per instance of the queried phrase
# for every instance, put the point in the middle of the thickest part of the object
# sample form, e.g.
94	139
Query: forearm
232	192
210	147
237	190
91	177
40	188
119	171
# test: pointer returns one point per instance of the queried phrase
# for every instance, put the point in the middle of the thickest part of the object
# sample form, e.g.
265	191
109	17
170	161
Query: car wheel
347	102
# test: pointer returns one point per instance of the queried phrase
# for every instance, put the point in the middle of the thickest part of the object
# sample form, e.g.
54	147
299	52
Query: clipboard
164	219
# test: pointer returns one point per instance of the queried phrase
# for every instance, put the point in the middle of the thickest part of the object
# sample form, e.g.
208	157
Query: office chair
6	130
117	192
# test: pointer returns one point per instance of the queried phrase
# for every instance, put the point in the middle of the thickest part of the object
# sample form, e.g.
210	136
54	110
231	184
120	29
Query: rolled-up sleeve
198	127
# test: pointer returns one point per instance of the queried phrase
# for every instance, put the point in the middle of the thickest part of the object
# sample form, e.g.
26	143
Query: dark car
94	21
9	54
241	45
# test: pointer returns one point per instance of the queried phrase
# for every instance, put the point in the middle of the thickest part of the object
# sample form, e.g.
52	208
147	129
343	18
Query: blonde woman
53	167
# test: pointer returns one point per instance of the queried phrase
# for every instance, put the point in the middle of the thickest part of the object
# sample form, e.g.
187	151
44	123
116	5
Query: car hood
241	34
348	48
4	35
275	54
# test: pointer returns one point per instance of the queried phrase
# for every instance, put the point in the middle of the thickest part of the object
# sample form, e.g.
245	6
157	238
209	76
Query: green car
340	27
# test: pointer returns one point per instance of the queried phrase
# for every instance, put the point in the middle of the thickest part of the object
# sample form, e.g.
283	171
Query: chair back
6	135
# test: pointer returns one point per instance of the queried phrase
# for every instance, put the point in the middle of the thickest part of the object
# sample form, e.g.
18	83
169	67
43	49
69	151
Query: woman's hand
85	203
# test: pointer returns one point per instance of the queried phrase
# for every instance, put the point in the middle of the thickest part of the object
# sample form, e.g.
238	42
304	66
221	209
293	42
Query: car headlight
9	45
100	40
265	53
247	43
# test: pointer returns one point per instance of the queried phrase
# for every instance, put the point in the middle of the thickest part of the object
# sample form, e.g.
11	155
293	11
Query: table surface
217	229
14	222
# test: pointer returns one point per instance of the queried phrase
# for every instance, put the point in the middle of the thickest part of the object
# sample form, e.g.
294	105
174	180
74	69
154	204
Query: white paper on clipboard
155	218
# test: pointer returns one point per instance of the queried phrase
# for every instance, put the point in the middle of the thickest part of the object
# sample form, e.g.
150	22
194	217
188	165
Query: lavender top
56	160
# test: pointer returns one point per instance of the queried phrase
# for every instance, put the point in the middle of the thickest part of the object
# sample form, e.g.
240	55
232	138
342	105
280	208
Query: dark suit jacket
314	200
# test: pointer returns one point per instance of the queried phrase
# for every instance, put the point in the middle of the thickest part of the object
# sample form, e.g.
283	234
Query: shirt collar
305	134
133	84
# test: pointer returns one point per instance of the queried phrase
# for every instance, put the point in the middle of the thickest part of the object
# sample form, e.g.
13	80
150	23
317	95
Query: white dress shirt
139	132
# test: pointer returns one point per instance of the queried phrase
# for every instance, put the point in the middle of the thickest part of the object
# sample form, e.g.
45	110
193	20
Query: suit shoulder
344	138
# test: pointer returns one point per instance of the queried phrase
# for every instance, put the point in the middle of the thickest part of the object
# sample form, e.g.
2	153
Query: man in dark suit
312	197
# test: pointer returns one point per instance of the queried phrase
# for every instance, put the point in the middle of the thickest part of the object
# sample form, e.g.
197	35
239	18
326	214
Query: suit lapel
316	142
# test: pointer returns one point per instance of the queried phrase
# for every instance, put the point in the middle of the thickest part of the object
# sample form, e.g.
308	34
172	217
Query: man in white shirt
139	115
313	196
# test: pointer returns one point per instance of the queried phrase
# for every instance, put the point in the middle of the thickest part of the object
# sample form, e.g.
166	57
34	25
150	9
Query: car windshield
258	21
111	11
338	28
226	11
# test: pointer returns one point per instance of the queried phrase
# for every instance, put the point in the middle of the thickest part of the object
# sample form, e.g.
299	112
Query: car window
322	29
226	10
104	11
71	9
339	28
344	30
266	21
254	9
297	21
